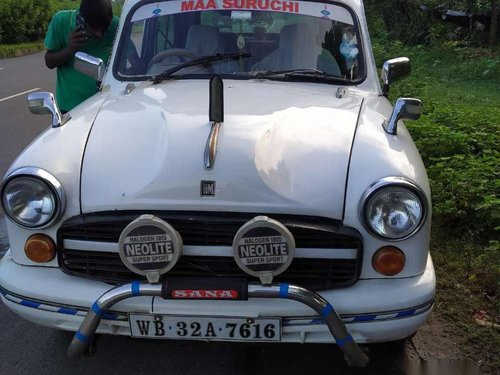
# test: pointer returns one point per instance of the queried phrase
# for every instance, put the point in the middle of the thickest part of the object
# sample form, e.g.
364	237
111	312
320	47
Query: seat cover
297	49
204	40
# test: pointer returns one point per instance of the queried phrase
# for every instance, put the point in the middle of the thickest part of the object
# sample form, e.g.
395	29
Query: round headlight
394	212
32	200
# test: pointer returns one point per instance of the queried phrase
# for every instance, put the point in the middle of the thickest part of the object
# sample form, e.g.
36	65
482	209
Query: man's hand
76	41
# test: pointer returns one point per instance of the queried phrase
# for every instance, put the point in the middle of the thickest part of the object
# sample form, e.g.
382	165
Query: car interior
273	41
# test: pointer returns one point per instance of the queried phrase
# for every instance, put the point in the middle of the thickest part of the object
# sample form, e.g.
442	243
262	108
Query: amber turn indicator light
40	248
388	260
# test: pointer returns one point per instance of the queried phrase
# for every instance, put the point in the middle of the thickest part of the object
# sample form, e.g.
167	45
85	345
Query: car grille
211	229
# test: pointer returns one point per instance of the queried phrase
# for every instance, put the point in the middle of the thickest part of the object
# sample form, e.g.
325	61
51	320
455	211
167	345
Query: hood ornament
216	117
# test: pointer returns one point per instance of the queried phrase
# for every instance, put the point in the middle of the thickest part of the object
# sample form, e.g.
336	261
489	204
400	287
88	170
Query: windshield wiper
306	73
199	61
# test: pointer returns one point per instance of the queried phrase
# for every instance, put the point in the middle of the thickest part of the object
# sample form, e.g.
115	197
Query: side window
137	36
164	33
134	49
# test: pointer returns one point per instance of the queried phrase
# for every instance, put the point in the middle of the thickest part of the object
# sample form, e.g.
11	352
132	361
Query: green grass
462	290
21	49
459	139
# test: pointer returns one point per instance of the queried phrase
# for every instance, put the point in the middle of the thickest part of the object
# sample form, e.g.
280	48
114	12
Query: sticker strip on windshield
318	10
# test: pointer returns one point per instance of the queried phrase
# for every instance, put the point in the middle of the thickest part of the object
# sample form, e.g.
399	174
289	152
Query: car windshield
264	38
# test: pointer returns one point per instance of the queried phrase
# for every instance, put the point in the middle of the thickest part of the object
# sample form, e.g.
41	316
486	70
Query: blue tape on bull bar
356	357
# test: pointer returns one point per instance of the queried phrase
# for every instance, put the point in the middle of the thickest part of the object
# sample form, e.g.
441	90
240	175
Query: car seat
204	40
297	50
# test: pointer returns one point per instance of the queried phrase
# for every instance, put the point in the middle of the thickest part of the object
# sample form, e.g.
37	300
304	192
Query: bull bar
353	353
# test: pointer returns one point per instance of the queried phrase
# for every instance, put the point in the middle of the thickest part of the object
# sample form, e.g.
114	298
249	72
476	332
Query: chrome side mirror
405	109
89	65
43	103
394	70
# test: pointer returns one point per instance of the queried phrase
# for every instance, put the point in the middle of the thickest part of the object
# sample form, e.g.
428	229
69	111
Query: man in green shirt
90	29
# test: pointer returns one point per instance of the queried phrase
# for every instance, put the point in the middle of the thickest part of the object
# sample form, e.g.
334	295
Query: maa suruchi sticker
150	247
263	247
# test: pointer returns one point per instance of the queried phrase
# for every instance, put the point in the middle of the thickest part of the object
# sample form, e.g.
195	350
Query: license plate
204	328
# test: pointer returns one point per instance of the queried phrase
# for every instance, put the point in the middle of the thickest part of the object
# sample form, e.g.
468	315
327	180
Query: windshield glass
270	35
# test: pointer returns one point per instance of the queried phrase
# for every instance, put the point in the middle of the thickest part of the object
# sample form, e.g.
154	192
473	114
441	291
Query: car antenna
216	117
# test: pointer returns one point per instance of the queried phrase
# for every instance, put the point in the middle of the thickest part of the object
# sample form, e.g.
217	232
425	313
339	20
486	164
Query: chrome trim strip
363	318
393	181
57	308
211	147
216	251
107	247
49	180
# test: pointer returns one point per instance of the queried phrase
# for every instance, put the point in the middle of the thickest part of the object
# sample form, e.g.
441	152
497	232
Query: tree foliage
473	6
27	20
412	23
117	6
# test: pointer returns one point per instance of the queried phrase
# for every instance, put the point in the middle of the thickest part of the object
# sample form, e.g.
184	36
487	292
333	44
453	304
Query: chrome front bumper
355	356
374	310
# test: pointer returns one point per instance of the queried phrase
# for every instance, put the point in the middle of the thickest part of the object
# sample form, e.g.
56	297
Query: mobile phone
81	25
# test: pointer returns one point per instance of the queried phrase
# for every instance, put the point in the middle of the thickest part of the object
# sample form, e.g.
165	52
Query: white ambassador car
240	176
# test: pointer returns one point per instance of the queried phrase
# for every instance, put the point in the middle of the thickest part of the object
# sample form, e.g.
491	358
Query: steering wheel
184	54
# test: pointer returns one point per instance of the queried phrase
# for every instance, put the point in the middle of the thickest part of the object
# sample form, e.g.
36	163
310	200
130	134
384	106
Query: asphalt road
18	126
26	348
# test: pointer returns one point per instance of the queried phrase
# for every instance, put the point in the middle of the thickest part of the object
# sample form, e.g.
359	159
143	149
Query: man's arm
53	59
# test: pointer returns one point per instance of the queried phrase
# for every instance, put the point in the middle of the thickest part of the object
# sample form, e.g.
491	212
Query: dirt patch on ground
434	341
437	348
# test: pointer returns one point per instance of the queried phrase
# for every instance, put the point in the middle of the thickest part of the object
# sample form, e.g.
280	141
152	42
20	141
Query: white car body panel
268	154
399	158
58	151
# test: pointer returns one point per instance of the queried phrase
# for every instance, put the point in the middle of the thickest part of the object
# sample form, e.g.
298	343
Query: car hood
283	148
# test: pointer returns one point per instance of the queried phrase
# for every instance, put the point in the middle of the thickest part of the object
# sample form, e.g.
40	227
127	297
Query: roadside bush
20	49
403	19
384	50
444	141
465	192
375	23
23	20
489	262
459	135
27	20
58	5
117	7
